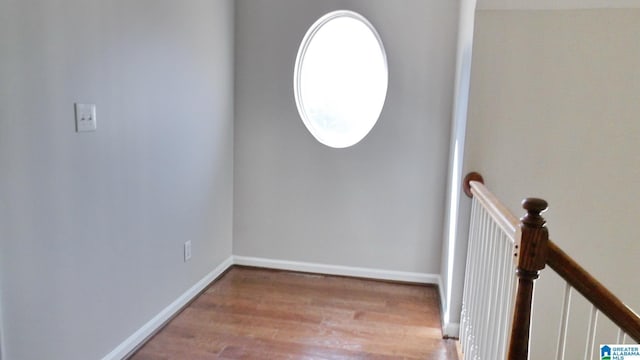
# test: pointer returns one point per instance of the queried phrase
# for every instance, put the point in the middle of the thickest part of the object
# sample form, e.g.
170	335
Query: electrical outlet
187	251
85	117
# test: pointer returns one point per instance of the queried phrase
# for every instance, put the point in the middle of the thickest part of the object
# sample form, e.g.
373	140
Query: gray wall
555	98
93	224
377	204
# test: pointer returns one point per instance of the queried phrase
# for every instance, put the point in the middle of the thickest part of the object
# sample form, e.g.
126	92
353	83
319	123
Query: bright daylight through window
340	78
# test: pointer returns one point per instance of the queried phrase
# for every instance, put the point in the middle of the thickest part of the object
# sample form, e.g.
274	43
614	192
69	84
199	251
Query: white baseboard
152	325
451	330
159	320
414	277
441	292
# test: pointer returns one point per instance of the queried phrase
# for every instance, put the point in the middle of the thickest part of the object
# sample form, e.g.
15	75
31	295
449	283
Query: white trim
441	293
337	139
443	302
556	4
453	247
152	325
451	330
414	277
158	321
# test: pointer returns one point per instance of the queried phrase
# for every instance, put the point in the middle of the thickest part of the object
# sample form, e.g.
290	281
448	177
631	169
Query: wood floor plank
266	314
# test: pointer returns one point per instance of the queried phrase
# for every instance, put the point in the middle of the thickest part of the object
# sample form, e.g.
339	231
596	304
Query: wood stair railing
596	293
532	252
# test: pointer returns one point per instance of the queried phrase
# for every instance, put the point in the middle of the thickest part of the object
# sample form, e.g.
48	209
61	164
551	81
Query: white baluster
490	292
505	295
464	315
480	334
475	283
591	334
498	309
564	322
473	286
489	288
479	308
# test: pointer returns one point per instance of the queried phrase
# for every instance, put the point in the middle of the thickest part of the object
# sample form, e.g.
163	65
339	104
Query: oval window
340	78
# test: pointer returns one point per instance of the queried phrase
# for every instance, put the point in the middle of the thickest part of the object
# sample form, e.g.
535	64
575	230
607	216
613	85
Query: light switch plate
85	117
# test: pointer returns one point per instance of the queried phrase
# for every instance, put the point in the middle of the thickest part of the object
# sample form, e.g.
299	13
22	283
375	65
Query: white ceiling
556	4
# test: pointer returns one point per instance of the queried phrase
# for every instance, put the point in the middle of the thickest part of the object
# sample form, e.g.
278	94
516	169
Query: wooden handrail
474	186
532	251
593	291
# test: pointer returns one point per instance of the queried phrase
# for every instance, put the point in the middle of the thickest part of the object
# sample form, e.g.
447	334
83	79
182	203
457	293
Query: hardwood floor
265	314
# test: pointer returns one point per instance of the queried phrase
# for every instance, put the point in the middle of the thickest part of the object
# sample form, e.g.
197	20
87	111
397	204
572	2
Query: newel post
530	256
